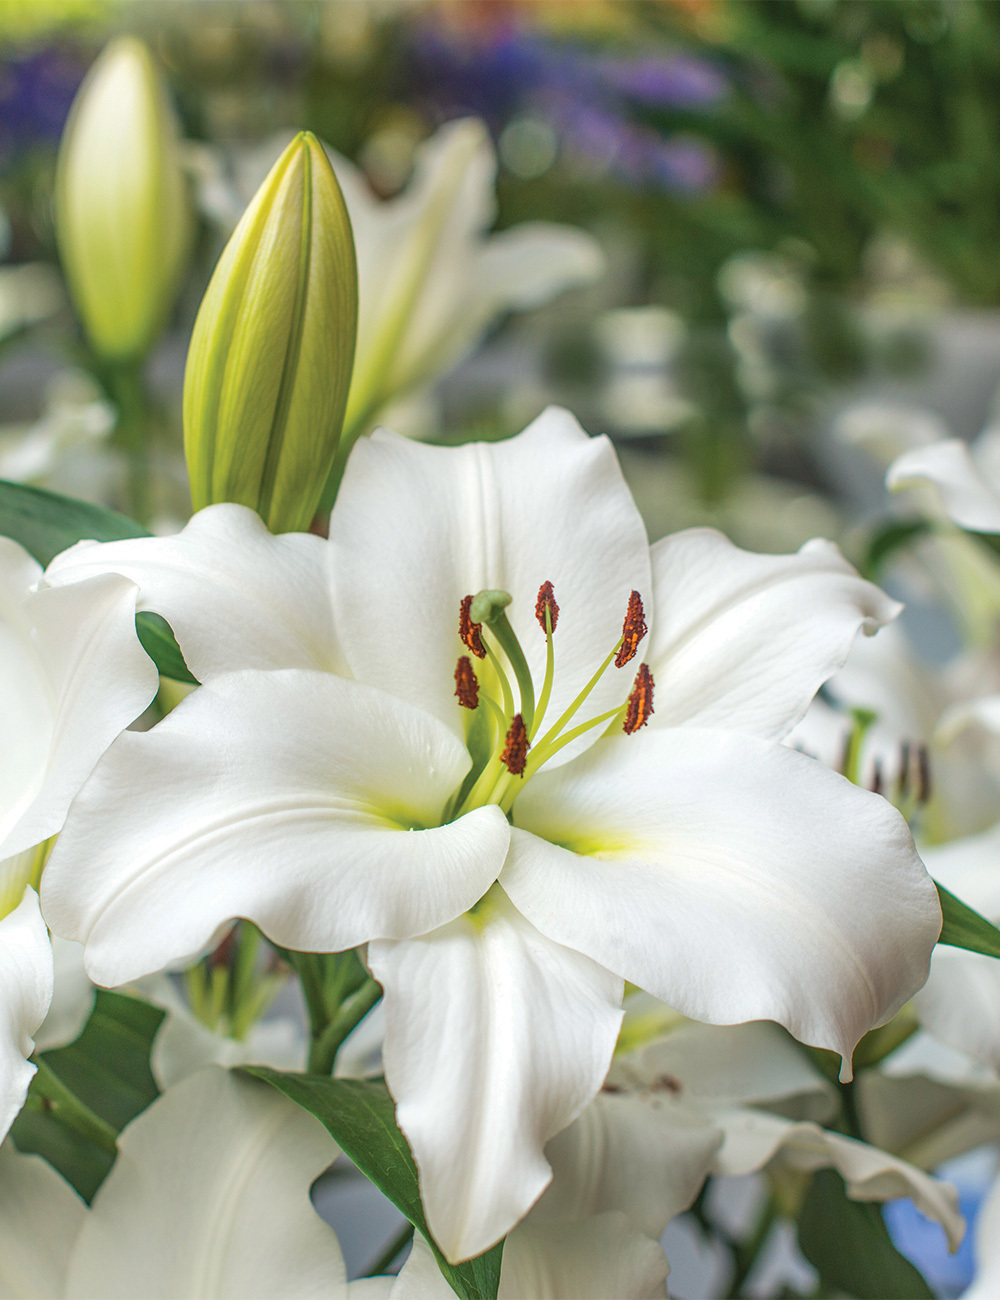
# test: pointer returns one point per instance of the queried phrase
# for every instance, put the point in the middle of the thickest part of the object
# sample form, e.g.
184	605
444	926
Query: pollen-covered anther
546	608
640	702
469	631
924	786
515	753
466	684
633	630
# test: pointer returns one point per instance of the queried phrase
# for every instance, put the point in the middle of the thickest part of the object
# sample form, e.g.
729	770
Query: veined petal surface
733	878
40	1216
496	1038
25	994
209	1200
743	641
968	496
235	595
417	528
294	799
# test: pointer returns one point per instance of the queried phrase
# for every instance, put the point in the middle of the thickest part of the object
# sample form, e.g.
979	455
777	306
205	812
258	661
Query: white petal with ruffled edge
40	1217
645	1155
72	997
235	596
73	676
293	799
209	1197
417	528
743	641
968	496
496	1038
25	994
731	877
754	1138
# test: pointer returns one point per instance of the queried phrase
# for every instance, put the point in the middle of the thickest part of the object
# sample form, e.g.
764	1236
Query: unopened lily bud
270	361
123	215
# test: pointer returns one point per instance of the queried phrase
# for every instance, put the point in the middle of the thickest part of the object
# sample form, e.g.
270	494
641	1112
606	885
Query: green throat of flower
505	742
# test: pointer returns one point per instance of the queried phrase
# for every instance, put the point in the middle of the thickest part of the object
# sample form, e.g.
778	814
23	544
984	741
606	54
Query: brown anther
668	1083
515	753
546	604
469	631
640	702
923	775
875	785
466	684
903	780
633	630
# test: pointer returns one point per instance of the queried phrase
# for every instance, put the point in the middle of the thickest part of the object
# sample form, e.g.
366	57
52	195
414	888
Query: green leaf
849	1245
360	1116
965	928
46	523
888	539
85	1094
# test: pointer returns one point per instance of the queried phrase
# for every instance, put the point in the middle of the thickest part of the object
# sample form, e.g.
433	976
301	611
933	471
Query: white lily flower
209	1196
754	1100
698	857
73	675
966	478
430	279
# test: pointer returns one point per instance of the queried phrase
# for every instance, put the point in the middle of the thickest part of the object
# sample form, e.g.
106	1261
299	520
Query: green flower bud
123	216
270	361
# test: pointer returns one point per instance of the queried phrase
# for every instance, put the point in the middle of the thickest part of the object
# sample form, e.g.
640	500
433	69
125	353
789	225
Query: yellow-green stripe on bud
123	215
270	361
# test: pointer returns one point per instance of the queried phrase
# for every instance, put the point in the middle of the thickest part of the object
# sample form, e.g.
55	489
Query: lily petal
416	528
289	798
25	994
754	1138
732	878
645	1155
496	1038
966	494
40	1217
234	595
74	676
743	641
209	1196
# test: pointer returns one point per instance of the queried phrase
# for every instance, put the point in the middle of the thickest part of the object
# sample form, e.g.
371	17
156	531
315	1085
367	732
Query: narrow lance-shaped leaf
360	1116
965	928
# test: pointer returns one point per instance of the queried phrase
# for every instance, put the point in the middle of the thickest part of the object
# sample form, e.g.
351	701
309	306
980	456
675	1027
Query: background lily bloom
506	871
72	676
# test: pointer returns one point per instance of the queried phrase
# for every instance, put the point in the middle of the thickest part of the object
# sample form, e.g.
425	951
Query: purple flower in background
36	91
587	97
667	80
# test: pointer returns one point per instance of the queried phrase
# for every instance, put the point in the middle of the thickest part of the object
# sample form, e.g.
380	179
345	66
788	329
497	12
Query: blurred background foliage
798	199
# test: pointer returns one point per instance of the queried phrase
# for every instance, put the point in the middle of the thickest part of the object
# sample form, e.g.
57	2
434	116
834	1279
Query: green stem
307	966
323	1052
127	387
70	1111
745	1253
391	1251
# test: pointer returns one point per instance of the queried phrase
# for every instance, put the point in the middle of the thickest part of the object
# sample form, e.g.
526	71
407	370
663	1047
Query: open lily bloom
966	478
515	835
209	1196
72	675
754	1100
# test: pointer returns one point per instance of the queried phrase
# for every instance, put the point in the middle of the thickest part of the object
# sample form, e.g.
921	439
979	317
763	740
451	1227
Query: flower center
509	718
